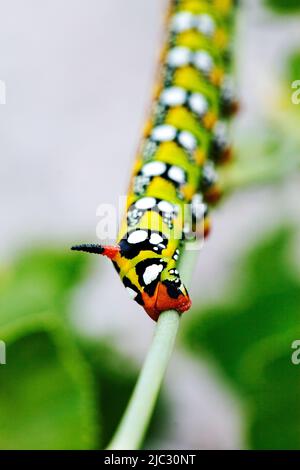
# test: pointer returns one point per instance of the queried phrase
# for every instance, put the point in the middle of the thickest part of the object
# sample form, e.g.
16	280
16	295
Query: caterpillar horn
109	251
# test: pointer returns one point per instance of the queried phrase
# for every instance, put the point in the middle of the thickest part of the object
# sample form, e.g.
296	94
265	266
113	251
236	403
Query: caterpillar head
154	282
156	287
171	295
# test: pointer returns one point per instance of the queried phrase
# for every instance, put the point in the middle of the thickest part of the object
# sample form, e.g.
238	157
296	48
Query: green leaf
276	421
46	393
283	6
273	380
46	389
246	337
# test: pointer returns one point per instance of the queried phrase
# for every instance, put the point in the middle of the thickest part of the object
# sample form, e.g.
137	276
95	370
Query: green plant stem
133	426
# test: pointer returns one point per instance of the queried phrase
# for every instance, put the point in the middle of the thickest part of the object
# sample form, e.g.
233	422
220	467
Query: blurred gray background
78	76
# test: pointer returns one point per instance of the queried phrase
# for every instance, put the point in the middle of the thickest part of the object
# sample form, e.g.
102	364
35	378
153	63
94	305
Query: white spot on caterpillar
187	140
203	61
182	21
173	96
209	173
145	203
179	56
228	88
165	206
198	104
152	272
164	133
154	168
198	207
185	20
137	236
155	239
174	271
206	24
175	173
132	294
221	133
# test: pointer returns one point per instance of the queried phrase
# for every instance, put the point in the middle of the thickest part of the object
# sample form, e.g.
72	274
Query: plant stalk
133	426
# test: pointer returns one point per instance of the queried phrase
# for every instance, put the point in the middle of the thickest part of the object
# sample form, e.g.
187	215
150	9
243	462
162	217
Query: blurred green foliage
249	338
114	380
57	391
39	281
46	397
283	6
46	393
293	66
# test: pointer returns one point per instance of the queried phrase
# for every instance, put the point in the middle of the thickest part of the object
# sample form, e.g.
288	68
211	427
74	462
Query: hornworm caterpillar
184	140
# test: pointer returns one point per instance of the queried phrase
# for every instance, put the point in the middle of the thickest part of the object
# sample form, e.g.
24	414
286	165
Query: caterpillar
184	139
